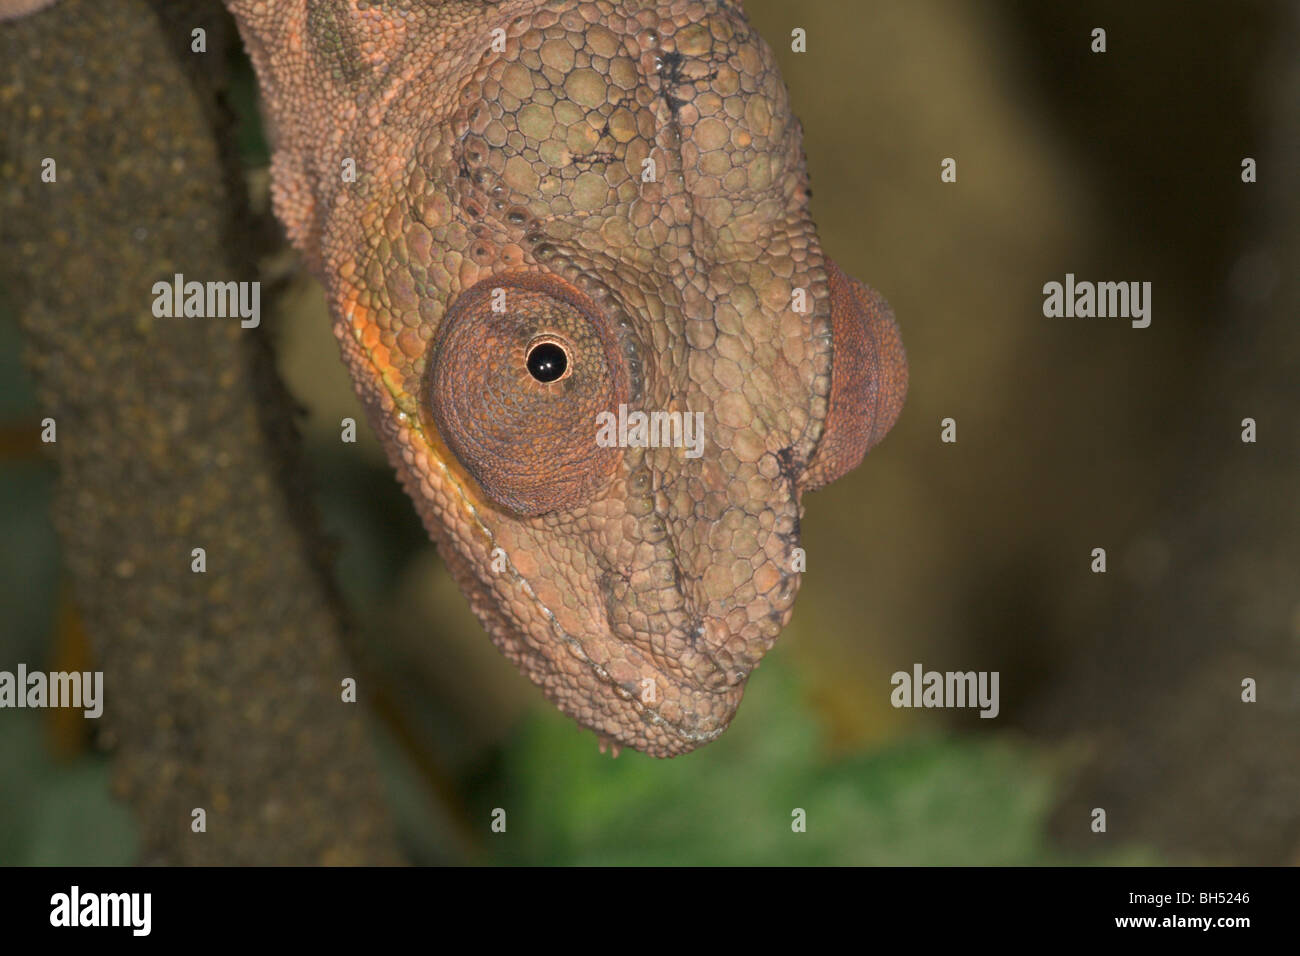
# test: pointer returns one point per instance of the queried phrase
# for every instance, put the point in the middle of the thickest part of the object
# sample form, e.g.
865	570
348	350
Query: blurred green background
1072	434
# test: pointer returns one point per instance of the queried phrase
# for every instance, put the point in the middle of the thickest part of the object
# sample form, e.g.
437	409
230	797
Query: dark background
1118	690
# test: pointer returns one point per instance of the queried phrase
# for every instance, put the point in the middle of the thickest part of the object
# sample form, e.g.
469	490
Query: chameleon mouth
704	686
683	735
693	736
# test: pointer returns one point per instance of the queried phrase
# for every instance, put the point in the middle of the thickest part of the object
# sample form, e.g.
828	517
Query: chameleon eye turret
518	371
868	378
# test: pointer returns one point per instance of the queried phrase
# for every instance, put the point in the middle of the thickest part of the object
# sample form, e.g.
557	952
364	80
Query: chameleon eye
868	378
547	361
518	370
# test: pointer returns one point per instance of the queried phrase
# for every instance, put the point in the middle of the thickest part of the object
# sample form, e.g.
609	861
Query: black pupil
547	362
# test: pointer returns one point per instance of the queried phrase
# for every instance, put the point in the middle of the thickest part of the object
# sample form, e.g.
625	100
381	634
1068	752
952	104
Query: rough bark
222	689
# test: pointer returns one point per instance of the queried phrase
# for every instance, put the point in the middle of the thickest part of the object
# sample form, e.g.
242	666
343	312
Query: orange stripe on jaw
359	317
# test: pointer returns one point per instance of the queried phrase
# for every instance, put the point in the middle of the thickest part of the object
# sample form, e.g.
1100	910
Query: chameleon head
611	221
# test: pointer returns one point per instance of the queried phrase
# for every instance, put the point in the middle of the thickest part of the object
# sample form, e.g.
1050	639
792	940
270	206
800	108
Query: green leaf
927	801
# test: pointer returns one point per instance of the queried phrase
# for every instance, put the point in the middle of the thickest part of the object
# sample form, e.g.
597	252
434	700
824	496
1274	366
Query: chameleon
530	212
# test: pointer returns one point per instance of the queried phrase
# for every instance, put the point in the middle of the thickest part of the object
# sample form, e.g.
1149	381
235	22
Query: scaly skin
637	586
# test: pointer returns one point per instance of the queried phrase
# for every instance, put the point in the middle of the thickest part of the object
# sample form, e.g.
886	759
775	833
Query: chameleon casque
529	212
504	146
